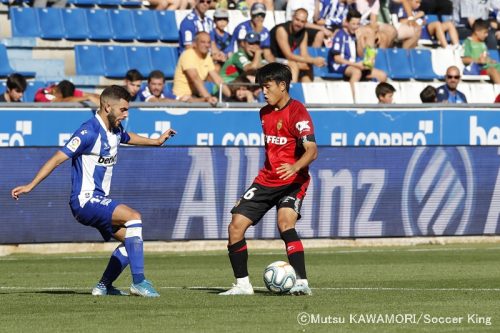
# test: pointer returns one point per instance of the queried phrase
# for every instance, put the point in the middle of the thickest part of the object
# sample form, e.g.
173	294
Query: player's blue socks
116	265
238	255
295	252
134	245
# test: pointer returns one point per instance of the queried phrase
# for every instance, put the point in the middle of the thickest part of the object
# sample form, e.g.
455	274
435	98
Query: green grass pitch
51	293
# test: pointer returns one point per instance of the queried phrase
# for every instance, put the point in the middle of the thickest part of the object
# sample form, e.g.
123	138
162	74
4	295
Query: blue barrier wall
187	193
241	127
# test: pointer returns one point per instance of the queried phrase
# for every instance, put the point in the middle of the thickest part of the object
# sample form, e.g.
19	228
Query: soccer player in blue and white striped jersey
93	149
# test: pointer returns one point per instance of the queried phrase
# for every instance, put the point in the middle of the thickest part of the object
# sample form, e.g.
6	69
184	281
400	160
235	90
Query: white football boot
301	287
242	287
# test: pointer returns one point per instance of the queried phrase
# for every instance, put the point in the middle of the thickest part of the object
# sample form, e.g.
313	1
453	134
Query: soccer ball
279	277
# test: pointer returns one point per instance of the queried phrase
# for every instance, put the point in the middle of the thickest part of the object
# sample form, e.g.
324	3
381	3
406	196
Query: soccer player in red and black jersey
282	182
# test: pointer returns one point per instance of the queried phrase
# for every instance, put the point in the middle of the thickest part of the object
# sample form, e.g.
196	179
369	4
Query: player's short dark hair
480	24
17	82
66	88
115	92
352	13
276	72
156	74
133	75
383	88
428	95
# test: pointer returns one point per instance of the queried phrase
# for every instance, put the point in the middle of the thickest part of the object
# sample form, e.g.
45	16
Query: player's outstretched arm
142	141
43	173
311	153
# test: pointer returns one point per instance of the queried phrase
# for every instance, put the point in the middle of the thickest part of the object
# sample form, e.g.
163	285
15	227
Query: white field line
209	254
382	289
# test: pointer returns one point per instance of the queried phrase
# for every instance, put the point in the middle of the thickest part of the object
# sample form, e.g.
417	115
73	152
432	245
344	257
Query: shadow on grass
49	292
219	290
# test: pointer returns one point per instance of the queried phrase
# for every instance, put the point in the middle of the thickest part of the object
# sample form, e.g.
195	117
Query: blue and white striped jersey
94	152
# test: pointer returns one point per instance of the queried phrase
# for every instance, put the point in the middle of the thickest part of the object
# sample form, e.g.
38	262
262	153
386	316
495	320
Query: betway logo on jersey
107	160
277	140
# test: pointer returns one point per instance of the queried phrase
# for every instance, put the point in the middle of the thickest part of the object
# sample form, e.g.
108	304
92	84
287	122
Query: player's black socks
295	252
238	255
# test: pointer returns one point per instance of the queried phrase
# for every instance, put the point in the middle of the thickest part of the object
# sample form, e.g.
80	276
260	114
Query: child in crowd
475	53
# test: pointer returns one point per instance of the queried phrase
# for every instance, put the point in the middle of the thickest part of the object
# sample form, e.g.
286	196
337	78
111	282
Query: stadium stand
147	39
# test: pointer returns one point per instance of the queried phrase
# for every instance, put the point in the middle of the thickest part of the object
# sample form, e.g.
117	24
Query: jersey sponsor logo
277	140
280	124
302	125
74	144
107	160
83	132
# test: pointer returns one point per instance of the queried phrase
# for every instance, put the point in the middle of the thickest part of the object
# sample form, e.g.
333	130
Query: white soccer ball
279	277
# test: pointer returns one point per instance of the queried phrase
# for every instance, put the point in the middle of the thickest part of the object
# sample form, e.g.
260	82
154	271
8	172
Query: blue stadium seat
123	26
322	72
381	61
115	61
164	59
85	3
51	23
99	24
31	89
167	25
24	22
146	25
296	92
421	63
494	54
114	3
75	23
138	58
89	60
5	69
399	64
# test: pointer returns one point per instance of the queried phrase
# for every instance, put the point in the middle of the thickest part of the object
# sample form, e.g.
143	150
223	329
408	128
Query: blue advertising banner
241	127
187	193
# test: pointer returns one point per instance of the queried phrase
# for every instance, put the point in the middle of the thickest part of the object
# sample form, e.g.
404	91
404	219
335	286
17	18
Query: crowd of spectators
352	30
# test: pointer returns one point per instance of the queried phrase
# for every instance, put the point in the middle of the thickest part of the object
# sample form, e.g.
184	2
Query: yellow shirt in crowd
189	59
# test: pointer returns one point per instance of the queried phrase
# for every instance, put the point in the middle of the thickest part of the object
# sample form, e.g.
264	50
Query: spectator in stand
153	92
49	3
373	33
195	65
240	91
441	7
448	93
133	81
406	25
64	91
193	23
429	95
345	50
16	85
221	40
436	29
244	62
268	3
168	4
290	36
333	13
255	24
385	93
475	53
316	32
466	12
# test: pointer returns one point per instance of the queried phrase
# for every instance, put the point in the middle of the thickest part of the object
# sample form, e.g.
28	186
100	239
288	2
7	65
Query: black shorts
258	200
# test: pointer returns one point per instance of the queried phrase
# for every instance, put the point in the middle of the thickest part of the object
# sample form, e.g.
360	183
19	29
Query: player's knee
235	230
135	215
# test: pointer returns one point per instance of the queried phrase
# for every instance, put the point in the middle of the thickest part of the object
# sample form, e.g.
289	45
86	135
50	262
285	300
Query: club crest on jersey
74	144
280	124
302	125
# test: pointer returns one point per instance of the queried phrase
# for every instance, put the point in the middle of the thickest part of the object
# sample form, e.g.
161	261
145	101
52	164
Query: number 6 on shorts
250	193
